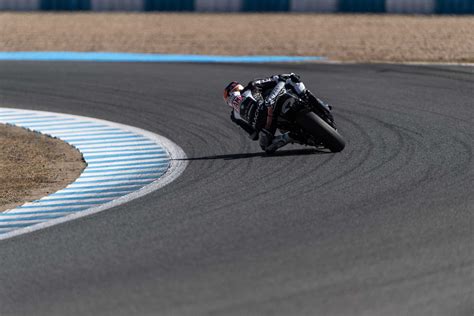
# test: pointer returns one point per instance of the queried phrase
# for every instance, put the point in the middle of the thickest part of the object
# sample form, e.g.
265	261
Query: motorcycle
307	119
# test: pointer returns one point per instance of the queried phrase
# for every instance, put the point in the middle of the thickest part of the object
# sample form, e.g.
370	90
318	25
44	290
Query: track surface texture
383	228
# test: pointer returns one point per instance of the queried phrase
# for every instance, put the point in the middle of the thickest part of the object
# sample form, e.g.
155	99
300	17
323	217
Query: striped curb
123	163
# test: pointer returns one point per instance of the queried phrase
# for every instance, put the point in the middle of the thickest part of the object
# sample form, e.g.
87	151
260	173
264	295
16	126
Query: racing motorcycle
308	119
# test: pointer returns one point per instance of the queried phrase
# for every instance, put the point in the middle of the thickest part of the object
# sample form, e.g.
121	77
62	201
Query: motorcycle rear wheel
317	127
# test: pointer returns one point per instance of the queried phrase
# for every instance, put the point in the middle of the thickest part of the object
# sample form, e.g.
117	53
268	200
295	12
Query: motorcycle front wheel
317	127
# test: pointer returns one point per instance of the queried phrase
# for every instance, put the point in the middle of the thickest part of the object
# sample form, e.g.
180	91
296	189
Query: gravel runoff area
33	165
360	38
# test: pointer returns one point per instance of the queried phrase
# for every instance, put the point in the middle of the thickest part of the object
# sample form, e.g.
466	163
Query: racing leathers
254	114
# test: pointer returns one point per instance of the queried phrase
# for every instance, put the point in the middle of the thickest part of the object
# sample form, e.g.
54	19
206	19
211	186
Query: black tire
317	127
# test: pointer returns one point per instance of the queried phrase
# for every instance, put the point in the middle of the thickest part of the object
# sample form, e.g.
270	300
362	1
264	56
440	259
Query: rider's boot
265	139
278	142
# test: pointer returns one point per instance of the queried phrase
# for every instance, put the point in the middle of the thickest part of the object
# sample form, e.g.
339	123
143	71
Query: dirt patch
339	37
33	165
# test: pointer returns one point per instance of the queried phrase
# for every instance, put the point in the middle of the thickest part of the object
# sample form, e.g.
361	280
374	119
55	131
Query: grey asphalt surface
383	228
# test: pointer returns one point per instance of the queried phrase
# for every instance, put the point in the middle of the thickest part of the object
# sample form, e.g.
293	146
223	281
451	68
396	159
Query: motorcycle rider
255	116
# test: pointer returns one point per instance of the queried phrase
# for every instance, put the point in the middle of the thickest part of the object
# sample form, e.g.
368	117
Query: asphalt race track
383	228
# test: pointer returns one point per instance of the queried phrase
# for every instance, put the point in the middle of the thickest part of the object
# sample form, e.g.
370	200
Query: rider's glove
284	77
295	78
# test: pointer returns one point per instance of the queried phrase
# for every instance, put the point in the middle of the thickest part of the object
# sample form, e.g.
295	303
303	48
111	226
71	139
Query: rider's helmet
233	89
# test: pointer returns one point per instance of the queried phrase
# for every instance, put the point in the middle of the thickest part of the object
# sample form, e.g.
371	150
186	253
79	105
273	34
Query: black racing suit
255	115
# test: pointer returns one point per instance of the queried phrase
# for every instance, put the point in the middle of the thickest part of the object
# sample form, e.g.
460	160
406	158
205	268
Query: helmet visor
232	87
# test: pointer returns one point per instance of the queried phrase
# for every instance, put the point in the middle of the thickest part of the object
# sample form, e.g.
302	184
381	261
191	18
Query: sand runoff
33	165
360	38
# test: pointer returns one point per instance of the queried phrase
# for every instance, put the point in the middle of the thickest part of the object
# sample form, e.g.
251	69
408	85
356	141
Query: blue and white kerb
123	163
